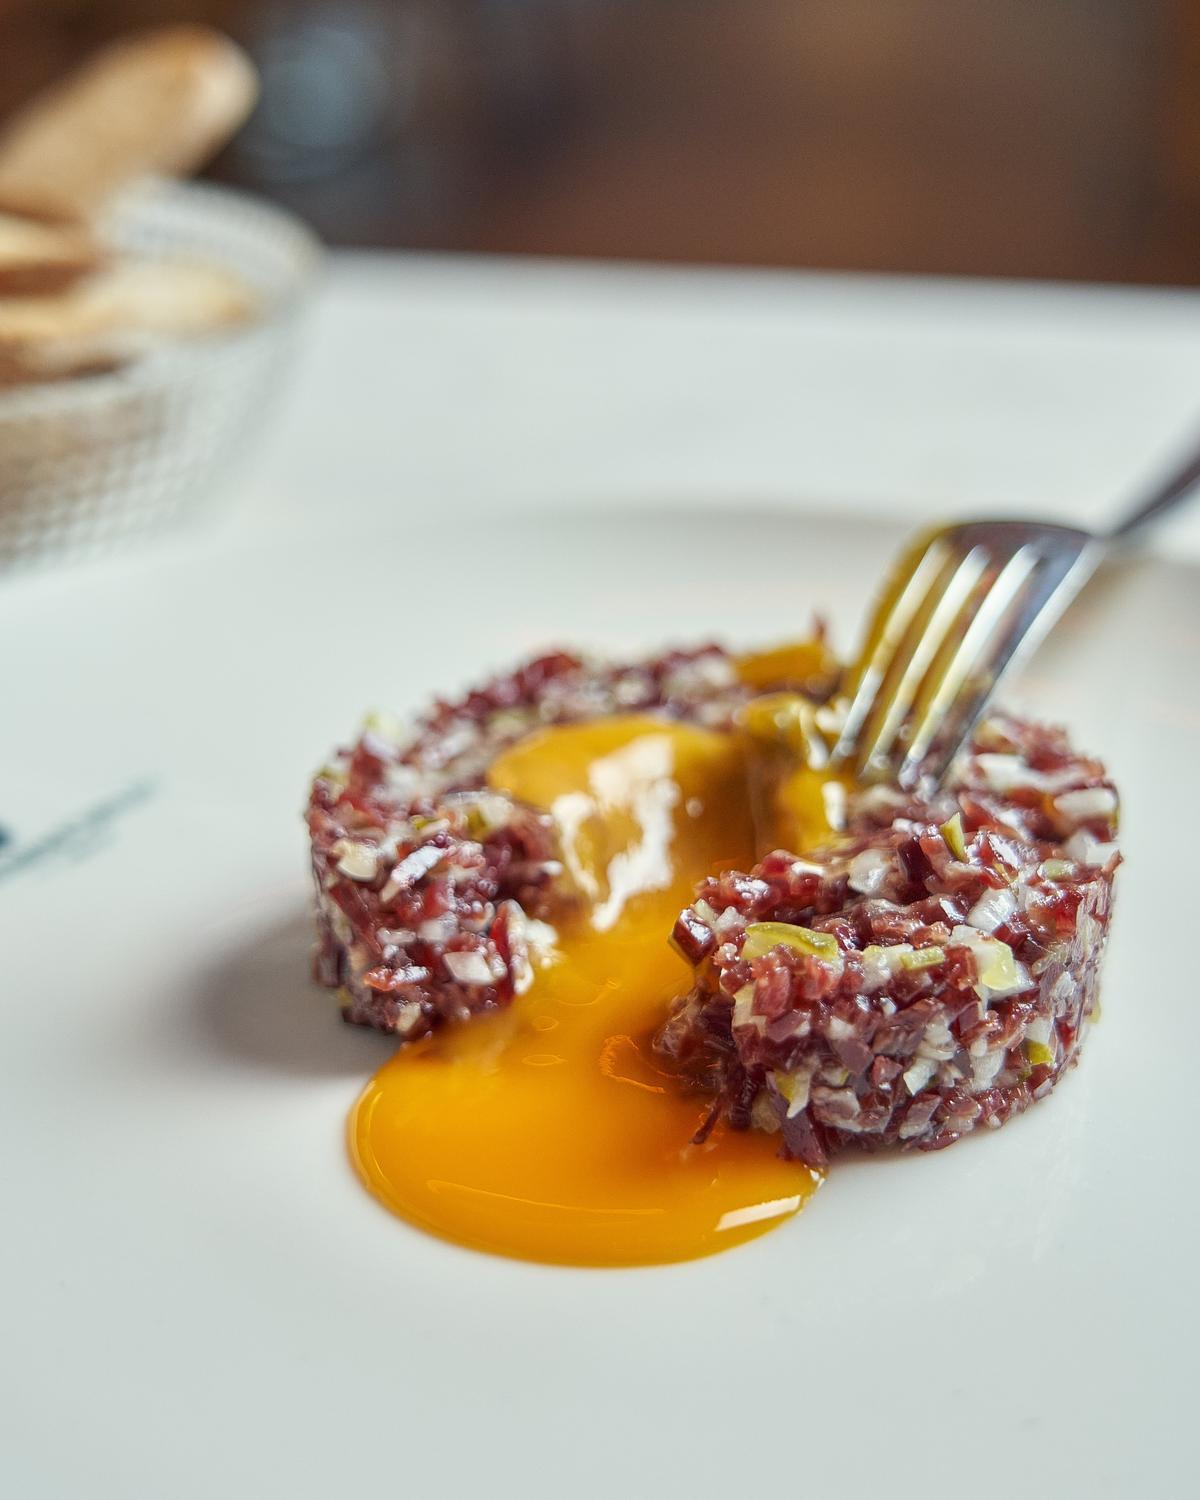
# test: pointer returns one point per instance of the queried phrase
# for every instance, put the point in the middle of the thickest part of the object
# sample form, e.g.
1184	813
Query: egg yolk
551	1131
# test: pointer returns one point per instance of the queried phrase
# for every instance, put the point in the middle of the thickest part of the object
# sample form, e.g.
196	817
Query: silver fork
962	605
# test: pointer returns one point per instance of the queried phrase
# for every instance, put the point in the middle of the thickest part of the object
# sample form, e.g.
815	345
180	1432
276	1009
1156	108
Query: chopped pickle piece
997	971
923	958
1039	1054
795	1089
952	832
1057	869
996	965
879	962
761	937
485	812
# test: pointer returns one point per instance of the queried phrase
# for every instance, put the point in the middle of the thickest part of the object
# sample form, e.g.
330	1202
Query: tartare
900	972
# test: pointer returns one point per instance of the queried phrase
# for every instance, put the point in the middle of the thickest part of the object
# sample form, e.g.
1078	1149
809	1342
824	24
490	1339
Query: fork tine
964	603
1016	626
903	594
932	622
951	670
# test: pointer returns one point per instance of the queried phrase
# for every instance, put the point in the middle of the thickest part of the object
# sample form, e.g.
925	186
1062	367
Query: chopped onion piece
880	963
879	798
743	1010
998	972
1089	850
416	864
706	914
356	861
868	871
921	1072
1005	773
485	811
985	1069
1087	804
992	910
469	968
1039	1029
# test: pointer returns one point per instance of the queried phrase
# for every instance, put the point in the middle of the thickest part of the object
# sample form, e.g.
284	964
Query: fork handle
1177	484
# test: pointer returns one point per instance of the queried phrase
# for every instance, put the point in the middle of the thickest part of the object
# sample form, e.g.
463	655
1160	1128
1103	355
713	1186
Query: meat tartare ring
931	973
929	970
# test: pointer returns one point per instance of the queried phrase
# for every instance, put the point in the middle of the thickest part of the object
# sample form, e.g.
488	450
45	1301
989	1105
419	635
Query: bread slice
109	318
159	103
37	258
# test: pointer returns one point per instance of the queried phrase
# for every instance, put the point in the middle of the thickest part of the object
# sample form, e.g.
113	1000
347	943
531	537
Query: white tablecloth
429	381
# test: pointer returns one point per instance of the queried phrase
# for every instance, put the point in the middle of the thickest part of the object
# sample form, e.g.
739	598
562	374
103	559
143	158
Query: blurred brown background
1055	138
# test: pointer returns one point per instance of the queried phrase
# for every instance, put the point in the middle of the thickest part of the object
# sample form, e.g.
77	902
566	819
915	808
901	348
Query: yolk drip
551	1131
796	798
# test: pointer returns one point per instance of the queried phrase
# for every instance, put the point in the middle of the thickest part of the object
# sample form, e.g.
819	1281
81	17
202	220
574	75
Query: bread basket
90	462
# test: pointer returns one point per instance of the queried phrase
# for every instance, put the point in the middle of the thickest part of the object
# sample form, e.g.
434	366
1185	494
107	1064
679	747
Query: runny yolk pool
551	1131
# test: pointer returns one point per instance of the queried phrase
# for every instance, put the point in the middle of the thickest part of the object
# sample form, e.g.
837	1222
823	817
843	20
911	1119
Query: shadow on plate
258	1006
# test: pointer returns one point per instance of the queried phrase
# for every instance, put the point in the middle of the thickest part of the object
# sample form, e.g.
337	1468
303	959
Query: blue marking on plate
79	837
